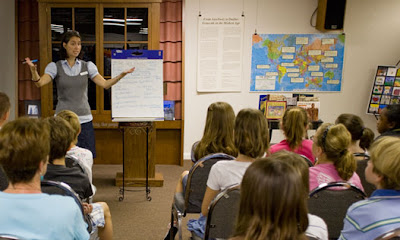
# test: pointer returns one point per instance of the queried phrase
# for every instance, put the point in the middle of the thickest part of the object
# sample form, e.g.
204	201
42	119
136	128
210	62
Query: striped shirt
369	219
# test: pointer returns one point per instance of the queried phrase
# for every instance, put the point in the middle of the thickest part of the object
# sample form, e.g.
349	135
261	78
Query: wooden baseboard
157	181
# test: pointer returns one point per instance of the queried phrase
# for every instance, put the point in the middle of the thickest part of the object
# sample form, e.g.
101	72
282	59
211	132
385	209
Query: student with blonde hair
294	125
361	136
218	132
335	161
5	106
252	141
84	156
272	202
371	218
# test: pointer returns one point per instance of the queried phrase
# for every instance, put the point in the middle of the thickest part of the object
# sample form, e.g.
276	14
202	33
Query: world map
297	62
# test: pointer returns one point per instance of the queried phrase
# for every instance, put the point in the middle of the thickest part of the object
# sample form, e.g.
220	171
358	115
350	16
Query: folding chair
71	161
392	235
195	189
308	161
8	237
60	188
330	201
222	214
361	165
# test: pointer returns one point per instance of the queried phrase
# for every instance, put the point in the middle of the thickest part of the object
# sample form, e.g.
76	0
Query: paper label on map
287	56
291	70
271	74
288	49
317	74
328	41
330	53
327	59
265	83
263	66
331	65
333	82
313	68
287	64
297	80
314	52
293	75
302	40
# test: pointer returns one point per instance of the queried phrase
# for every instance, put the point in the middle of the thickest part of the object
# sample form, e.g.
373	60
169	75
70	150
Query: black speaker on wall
330	14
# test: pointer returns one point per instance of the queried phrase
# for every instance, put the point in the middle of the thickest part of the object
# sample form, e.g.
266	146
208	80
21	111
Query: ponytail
294	124
334	140
367	138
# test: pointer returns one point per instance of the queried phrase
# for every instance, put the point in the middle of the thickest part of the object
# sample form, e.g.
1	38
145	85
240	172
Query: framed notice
275	109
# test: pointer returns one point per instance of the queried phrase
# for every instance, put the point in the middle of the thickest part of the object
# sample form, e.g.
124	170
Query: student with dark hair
361	136
61	138
71	77
294	125
25	210
335	161
272	202
252	141
379	214
389	121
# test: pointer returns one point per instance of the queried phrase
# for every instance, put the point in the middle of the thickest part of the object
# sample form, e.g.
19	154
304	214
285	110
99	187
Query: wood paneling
108	146
168	147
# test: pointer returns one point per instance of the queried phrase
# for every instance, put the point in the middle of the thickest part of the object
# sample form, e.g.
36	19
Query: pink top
326	173
305	148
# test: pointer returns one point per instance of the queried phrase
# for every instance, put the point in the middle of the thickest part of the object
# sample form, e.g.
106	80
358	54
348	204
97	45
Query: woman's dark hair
393	114
358	131
65	39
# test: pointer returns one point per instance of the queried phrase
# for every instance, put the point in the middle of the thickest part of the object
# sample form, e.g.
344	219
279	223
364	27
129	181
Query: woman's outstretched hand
30	63
129	71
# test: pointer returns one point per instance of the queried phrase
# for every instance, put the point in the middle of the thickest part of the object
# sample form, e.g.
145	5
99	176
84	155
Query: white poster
219	67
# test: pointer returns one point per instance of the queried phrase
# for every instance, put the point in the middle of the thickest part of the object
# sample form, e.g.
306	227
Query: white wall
7	60
372	34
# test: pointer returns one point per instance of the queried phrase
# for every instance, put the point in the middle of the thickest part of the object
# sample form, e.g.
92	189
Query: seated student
61	138
389	121
84	156
5	106
316	226
294	125
25	210
335	162
368	219
218	132
272	202
361	137
252	141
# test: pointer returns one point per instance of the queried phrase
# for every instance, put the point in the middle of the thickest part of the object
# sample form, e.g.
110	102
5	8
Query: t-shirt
305	148
224	174
326	173
85	157
74	177
41	216
317	227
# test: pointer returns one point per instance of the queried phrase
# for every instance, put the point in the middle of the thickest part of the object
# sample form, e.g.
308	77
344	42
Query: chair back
331	203
222	214
368	187
8	237
60	188
392	235
3	179
72	161
308	161
197	181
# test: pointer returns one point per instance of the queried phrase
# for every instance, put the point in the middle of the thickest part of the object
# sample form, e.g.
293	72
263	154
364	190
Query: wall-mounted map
297	62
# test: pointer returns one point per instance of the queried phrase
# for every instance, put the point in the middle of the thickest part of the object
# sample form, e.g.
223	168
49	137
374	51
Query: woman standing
71	77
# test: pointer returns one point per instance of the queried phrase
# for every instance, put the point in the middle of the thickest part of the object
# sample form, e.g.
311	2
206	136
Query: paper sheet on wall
139	95
220	43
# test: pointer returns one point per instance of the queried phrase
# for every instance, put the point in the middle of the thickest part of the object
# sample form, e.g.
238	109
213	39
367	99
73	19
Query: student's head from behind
251	133
24	149
272	202
298	163
358	131
294	125
61	137
5	106
71	45
389	118
331	142
73	120
218	131
383	169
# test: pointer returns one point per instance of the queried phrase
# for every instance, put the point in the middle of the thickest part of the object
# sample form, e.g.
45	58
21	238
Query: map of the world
297	62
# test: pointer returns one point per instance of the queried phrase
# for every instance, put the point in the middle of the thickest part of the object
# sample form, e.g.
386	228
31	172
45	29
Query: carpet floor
135	217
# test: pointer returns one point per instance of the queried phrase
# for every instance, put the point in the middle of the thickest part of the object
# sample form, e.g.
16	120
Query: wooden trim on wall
183	81
16	87
100	1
